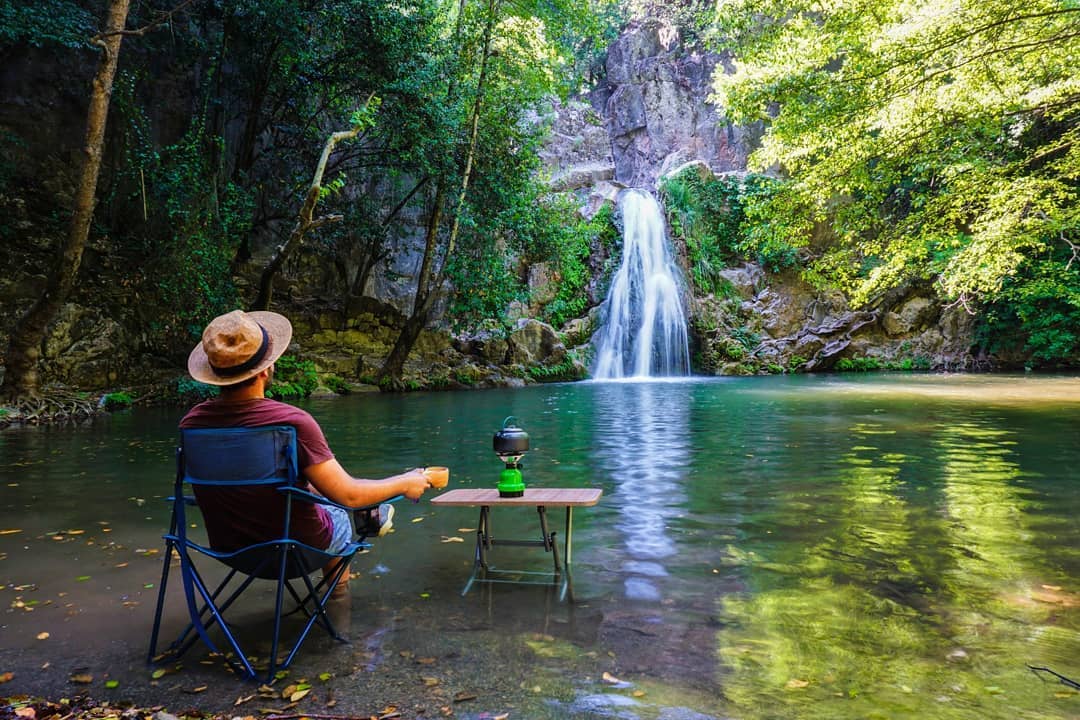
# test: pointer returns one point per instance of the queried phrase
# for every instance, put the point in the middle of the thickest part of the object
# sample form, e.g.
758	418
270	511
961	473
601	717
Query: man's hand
416	483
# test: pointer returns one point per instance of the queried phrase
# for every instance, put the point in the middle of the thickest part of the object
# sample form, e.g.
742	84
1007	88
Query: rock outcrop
779	323
657	108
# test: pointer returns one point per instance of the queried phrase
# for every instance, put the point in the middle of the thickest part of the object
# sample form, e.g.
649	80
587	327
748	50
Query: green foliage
196	281
336	384
1037	313
40	23
936	141
858	364
192	391
709	215
870	364
560	372
116	401
293	378
570	245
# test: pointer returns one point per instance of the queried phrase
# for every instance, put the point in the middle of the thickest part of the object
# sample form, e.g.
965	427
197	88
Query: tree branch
165	17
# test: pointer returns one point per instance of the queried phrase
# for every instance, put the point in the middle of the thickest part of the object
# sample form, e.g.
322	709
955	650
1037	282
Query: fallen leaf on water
82	678
74	532
610	679
110	684
194	690
638	693
453	539
796	684
11	531
464	696
466	530
299	695
430	681
325	676
121	565
82	578
159	673
43	636
426	660
243	699
331	703
501	716
419	519
6	677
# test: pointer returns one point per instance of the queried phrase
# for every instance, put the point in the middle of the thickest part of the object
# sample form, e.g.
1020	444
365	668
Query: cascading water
644	331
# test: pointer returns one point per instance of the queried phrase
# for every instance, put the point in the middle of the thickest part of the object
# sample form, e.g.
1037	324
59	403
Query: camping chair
229	459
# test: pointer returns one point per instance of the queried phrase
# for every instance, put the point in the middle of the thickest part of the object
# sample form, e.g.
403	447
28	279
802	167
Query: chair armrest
320	500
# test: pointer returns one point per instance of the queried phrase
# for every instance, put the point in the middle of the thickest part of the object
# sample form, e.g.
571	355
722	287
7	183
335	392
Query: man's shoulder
214	413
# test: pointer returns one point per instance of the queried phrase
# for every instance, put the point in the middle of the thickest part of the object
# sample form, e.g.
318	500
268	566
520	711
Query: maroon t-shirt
242	516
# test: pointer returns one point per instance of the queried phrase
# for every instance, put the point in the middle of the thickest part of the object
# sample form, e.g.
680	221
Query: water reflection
642	443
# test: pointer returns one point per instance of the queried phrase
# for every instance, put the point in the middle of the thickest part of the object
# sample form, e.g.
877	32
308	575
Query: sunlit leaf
110	684
82	678
43	636
10	531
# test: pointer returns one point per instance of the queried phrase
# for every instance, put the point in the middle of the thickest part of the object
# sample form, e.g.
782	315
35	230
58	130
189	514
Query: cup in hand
437	476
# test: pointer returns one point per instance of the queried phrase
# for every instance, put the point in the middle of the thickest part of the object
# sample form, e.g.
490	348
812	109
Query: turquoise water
783	547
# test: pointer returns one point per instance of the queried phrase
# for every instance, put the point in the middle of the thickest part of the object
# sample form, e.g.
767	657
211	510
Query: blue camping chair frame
244	458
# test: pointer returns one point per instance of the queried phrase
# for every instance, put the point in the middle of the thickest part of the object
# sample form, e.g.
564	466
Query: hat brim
278	329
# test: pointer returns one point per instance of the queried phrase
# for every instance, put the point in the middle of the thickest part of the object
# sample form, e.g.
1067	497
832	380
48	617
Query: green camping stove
510	444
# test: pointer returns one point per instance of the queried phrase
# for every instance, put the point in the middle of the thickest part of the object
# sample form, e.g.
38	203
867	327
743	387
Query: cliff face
658	120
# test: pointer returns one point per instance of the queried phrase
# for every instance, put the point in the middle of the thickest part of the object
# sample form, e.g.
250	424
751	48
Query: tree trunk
429	283
392	367
24	346
304	221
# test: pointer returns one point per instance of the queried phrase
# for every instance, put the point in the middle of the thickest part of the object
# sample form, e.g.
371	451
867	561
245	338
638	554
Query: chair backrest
235	474
239	456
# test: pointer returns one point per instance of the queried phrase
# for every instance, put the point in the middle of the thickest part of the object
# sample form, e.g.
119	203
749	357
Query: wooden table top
567	497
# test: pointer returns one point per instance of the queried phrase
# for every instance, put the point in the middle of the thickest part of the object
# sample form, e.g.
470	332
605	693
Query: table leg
567	584
482	544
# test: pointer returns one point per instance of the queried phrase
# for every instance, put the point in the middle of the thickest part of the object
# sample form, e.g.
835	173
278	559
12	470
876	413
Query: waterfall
644	330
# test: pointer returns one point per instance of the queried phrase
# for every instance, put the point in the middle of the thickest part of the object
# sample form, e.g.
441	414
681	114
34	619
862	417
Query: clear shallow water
803	547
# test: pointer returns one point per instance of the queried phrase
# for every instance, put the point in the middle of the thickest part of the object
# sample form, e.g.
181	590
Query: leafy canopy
939	140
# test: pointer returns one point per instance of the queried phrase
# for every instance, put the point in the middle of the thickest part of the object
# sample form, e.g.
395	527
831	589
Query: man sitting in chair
237	354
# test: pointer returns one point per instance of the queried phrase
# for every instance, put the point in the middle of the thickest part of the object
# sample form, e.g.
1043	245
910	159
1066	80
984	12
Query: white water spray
644	332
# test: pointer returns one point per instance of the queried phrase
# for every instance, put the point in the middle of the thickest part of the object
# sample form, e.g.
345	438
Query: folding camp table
541	499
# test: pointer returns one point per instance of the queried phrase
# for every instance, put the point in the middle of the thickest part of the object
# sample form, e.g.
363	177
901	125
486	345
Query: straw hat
239	345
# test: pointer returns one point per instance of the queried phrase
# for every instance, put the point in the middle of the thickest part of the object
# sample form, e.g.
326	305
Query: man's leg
376	522
342	534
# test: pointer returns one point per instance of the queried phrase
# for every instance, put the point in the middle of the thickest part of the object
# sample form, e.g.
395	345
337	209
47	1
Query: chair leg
160	601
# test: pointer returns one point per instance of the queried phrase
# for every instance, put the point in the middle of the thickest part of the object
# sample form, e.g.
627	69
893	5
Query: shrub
116	401
293	378
192	391
336	384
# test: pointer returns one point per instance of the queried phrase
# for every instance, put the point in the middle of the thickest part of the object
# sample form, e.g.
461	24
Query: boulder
909	316
84	348
534	342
